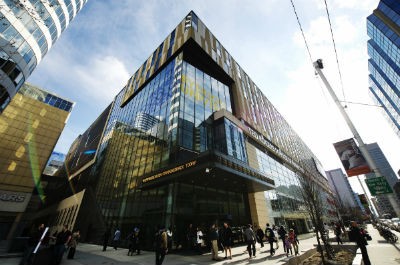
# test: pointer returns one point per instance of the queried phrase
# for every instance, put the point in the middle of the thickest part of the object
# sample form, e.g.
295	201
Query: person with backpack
160	244
270	235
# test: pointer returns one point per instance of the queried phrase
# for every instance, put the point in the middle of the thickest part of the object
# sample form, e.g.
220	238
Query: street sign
378	186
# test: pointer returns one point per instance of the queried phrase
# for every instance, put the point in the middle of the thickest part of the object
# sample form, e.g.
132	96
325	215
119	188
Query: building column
258	208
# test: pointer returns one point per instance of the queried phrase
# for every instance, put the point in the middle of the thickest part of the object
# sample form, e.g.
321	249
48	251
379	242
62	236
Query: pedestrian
296	232
356	235
293	241
250	238
270	235
288	246
199	240
34	239
136	241
131	239
282	233
106	237
260	236
62	240
213	237
116	238
191	237
227	238
338	232
169	238
73	243
161	244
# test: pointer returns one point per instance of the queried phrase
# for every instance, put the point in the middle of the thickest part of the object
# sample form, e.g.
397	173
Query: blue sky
109	40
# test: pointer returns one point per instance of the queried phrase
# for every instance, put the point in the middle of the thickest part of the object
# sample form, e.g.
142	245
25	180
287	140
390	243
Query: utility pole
318	66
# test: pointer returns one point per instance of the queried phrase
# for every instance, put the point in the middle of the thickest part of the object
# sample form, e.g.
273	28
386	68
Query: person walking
293	241
199	240
227	238
106	237
355	235
338	232
288	245
116	238
136	241
260	236
213	237
270	235
62	241
282	233
73	243
33	240
250	238
161	244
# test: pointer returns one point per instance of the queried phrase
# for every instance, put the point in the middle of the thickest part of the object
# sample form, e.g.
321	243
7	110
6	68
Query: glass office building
29	130
383	27
28	29
192	139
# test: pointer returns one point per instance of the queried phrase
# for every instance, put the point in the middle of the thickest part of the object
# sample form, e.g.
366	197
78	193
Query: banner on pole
352	160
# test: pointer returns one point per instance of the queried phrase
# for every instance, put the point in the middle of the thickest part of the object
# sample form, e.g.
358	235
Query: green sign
378	186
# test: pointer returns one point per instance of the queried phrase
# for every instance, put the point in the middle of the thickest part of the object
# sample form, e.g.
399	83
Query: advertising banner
352	160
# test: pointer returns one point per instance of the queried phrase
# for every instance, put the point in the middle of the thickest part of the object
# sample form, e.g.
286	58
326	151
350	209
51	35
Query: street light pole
318	66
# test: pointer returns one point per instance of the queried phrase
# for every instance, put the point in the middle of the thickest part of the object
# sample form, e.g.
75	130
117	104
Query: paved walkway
381	253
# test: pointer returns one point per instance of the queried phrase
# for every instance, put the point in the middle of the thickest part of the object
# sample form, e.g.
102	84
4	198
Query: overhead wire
334	47
302	32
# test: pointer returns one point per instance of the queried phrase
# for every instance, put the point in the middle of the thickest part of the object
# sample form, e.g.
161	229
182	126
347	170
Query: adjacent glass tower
383	27
28	29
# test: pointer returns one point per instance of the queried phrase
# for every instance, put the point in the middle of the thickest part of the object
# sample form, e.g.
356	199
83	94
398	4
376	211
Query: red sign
352	160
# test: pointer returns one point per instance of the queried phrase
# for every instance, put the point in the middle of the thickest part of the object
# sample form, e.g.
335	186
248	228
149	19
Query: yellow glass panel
28	137
3	126
20	151
35	124
43	112
12	166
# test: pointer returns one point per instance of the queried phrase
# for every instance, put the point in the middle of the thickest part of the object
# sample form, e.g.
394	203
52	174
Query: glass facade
384	63
191	139
28	29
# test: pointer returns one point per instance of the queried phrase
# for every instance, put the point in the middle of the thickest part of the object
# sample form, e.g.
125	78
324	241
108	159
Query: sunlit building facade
383	27
192	139
29	130
28	29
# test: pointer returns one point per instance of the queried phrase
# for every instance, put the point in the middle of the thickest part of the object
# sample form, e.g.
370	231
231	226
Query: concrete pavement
380	252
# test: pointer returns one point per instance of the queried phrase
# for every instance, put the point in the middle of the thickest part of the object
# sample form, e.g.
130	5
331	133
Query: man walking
62	241
213	237
250	238
269	232
355	235
161	245
117	237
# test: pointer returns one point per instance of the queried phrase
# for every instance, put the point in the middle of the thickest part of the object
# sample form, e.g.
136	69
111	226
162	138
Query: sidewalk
88	254
380	252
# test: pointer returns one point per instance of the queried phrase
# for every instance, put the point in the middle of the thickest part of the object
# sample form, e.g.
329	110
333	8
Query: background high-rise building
383	27
28	29
341	186
386	203
29	129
